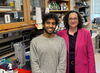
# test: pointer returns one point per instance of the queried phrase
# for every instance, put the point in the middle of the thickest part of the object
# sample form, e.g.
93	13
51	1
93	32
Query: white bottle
10	70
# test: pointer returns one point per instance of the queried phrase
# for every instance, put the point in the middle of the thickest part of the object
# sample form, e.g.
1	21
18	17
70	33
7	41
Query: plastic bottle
10	70
27	62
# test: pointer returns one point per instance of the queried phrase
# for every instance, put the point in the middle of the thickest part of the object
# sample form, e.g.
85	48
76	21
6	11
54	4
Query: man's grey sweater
48	55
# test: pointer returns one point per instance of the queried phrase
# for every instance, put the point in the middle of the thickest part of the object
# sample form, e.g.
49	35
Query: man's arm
34	59
61	68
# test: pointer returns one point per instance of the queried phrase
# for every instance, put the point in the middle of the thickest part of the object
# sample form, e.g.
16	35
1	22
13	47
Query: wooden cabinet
57	5
16	25
15	15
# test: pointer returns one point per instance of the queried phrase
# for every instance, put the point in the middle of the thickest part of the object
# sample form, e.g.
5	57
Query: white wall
95	9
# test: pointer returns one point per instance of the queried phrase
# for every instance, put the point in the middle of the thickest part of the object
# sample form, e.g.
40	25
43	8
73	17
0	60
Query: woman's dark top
72	42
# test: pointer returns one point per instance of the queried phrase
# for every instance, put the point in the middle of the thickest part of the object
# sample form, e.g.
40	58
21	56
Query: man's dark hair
47	16
66	19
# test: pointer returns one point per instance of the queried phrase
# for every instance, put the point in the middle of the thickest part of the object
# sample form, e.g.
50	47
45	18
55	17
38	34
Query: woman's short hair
66	19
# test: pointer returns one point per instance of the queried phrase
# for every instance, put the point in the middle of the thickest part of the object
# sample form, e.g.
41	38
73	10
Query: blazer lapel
78	40
67	40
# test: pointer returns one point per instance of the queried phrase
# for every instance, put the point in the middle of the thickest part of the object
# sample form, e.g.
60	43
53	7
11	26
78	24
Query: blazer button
72	62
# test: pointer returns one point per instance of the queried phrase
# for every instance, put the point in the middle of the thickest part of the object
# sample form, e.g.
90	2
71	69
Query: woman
79	43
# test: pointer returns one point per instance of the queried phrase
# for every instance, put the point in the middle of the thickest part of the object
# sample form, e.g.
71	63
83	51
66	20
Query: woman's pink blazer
84	52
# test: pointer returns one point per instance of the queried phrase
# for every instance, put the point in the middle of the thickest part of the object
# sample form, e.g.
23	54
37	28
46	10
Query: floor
97	58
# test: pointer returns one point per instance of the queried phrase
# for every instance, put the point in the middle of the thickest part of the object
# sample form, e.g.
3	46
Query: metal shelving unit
6	43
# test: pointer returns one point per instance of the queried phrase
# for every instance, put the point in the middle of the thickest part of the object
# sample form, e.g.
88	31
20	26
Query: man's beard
49	32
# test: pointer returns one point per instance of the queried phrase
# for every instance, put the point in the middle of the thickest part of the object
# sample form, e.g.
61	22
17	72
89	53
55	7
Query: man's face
49	26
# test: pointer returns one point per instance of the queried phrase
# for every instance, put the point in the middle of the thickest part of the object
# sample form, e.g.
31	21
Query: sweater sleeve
90	54
34	58
61	68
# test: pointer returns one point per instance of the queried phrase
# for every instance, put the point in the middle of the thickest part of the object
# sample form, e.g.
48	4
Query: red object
23	71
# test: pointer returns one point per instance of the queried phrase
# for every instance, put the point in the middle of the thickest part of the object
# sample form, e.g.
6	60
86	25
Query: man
48	51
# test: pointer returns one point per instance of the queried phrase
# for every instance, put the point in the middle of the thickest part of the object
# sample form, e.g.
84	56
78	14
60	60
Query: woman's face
73	20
